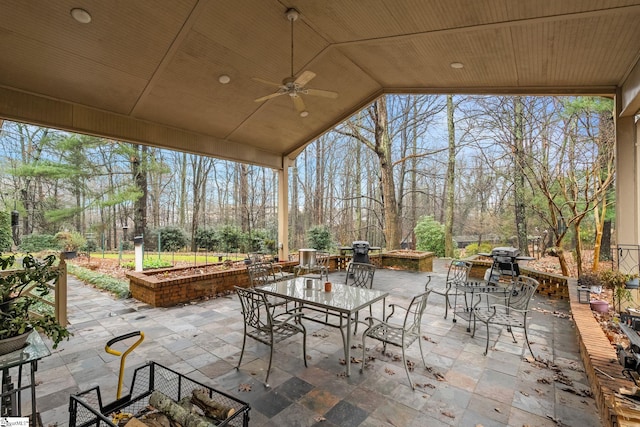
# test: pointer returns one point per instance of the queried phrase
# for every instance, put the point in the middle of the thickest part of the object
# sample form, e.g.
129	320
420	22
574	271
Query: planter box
157	288
408	260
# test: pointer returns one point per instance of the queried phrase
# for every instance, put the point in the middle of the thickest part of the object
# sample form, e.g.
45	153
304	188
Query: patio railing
628	258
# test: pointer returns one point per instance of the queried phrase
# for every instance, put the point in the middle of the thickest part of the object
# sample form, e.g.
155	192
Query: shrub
230	238
430	236
101	281
319	238
172	238
70	241
90	246
38	243
473	248
207	238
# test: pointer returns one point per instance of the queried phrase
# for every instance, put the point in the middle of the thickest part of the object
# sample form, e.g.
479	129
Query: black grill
361	251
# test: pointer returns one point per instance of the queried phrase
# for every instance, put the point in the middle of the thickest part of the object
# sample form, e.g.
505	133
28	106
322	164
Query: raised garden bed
171	286
408	260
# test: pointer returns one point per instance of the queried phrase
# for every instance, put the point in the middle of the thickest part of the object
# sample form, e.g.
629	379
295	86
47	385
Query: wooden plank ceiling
147	70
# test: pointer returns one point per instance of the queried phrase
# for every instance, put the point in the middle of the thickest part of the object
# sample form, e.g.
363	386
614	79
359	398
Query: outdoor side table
10	399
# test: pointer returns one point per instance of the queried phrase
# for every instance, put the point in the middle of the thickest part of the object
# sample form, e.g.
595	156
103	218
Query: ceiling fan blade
304	78
267	82
298	103
273	95
320	92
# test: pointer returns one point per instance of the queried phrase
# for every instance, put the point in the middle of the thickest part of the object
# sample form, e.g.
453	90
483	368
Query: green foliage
38	243
589	280
17	317
6	239
319	237
90	246
207	238
230	238
430	236
148	263
473	249
616	280
172	238
117	287
70	241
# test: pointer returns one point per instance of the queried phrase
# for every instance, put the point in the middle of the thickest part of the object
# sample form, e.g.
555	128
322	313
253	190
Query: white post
139	251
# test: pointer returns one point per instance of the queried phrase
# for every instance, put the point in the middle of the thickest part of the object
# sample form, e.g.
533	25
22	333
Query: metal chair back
257	315
521	293
260	273
458	273
360	275
414	313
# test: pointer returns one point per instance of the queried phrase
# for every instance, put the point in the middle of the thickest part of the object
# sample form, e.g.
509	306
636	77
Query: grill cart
505	263
86	408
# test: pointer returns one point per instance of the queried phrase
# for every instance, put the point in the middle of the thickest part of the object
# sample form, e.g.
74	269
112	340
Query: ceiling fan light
224	79
81	15
456	65
304	113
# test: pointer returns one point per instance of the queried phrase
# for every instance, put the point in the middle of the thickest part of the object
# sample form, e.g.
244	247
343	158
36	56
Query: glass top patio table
34	350
343	301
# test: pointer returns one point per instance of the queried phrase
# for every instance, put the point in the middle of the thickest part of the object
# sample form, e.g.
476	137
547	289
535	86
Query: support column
283	210
627	178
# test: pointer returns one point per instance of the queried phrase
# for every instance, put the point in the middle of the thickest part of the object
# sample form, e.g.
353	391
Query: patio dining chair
321	266
458	274
360	275
261	325
510	309
263	273
399	335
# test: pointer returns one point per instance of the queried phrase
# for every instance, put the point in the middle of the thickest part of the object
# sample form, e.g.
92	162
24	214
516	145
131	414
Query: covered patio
181	75
461	387
185	75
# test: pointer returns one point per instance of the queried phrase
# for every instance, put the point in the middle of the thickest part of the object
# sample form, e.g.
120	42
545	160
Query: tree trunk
139	168
519	178
390	206
605	251
182	206
450	182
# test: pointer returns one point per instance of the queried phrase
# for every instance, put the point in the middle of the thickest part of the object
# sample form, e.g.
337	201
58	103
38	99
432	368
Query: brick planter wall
552	285
422	261
158	291
602	367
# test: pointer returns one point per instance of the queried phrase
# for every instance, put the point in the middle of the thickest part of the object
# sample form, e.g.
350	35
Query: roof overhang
147	71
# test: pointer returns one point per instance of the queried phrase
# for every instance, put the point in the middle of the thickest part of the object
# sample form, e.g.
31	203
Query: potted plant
17	315
69	243
591	281
632	281
616	281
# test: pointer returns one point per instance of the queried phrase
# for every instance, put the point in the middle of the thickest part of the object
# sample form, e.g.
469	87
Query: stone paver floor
460	386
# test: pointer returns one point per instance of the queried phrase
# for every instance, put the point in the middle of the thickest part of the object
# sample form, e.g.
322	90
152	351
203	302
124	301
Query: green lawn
200	258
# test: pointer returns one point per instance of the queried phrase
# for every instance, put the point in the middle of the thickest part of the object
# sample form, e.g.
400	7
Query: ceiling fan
292	86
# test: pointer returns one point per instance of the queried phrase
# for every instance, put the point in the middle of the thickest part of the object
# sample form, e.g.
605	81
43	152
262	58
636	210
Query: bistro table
10	403
470	291
342	302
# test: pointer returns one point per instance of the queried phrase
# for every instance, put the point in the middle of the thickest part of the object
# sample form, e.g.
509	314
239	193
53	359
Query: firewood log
177	413
210	407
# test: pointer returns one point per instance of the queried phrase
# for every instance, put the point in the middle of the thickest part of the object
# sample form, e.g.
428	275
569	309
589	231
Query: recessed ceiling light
81	15
304	113
224	79
456	65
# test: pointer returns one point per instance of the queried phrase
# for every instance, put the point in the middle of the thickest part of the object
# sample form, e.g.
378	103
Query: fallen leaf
244	387
448	414
497	410
389	371
319	419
